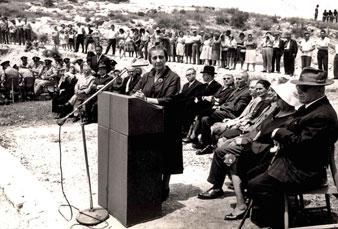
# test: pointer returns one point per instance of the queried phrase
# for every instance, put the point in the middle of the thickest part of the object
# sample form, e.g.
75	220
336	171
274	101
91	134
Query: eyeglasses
303	88
226	78
190	74
157	57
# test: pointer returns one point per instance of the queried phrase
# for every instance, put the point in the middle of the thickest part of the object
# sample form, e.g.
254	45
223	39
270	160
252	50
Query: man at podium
157	87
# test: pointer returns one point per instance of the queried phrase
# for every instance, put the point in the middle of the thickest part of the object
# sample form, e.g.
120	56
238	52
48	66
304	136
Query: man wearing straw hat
304	147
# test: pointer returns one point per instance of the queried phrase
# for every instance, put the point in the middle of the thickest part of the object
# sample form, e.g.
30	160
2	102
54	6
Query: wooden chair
325	189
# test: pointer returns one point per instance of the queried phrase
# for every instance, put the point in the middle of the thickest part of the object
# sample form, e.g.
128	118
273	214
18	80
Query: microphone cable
62	188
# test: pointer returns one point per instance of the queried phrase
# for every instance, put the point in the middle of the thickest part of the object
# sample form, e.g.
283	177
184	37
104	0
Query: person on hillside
89	40
80	37
316	12
27	30
129	43
306	47
19	23
216	50
12	32
206	49
225	43
323	51
121	39
144	43
112	40
278	49
290	53
56	37
267	52
324	16
335	14
172	47
188	41
196	44
71	37
232	52
240	56
157	87
180	46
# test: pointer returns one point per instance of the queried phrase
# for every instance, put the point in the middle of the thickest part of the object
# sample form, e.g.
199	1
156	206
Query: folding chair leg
301	200
286	211
328	204
247	210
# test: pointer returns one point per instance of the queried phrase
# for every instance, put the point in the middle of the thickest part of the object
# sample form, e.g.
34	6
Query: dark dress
167	85
65	92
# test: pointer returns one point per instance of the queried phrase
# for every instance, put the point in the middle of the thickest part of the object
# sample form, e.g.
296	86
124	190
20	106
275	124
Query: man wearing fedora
304	147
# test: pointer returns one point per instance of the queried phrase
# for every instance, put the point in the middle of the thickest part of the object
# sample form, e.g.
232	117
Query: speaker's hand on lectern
139	94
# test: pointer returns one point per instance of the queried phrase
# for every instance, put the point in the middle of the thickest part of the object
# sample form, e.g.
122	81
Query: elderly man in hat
46	77
290	53
304	148
231	108
306	47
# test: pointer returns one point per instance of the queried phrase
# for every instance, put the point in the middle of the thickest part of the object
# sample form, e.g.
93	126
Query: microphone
139	63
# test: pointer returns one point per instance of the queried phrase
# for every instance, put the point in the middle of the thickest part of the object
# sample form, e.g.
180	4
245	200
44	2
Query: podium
130	132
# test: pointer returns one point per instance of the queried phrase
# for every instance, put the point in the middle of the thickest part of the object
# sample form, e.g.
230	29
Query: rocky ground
29	133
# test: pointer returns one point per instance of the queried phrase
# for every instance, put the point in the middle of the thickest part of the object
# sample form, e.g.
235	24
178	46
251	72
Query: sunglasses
227	78
303	88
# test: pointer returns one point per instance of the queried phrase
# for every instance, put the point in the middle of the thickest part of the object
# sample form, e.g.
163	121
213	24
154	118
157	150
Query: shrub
141	14
182	11
239	18
168	21
48	3
222	20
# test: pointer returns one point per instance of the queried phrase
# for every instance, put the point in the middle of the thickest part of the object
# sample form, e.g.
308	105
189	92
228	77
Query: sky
284	8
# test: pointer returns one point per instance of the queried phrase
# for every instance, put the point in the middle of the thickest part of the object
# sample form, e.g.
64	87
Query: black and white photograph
150	114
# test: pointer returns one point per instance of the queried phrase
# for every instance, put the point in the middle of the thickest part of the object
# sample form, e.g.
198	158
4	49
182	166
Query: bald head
241	79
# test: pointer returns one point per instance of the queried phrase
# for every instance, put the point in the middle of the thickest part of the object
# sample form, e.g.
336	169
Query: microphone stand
91	216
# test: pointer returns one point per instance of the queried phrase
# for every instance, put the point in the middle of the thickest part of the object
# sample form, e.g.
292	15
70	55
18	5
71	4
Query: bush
239	19
182	11
141	14
48	3
168	21
222	20
264	24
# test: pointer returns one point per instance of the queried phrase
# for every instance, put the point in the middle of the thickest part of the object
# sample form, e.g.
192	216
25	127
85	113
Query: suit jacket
95	61
168	84
210	89
305	144
132	84
192	91
236	102
203	107
293	49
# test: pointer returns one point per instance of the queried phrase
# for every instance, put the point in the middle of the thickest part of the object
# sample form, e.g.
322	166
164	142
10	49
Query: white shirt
111	34
323	43
307	47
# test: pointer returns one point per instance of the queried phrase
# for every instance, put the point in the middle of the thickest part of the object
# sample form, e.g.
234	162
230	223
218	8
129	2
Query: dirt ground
30	134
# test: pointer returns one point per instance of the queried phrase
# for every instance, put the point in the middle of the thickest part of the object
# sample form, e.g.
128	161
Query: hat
287	92
312	77
209	70
23	58
79	60
102	65
48	60
66	60
6	62
36	58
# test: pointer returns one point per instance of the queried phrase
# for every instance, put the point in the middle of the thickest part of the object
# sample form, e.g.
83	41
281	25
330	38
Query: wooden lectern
130	133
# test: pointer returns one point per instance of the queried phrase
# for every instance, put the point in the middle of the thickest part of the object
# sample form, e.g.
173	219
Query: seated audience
303	149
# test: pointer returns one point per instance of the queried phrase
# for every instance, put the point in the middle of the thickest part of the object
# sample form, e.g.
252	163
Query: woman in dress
180	46
206	49
157	87
216	50
250	53
56	37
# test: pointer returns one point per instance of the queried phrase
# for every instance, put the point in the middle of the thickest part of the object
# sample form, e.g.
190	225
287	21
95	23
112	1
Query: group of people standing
15	30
